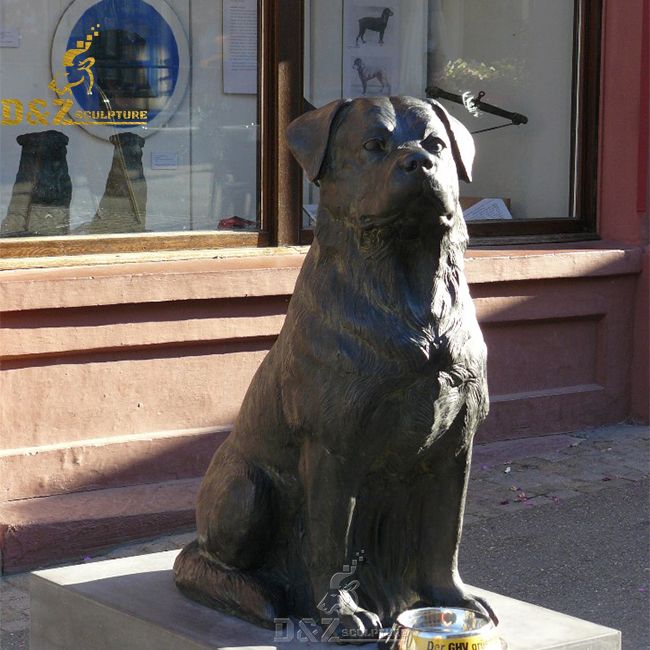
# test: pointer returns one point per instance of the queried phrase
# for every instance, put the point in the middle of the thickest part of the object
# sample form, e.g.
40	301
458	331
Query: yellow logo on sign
81	66
13	110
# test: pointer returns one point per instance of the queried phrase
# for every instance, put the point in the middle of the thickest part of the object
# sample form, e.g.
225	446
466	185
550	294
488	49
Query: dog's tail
204	580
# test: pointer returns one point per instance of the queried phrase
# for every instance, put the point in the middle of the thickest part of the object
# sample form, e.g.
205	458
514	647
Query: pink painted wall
624	179
641	361
640	370
624	122
131	373
119	374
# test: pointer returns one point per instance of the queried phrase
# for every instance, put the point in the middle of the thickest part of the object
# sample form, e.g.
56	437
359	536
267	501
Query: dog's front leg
443	500
331	484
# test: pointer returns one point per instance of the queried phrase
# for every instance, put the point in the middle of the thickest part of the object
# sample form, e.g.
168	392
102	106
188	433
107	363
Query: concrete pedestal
132	604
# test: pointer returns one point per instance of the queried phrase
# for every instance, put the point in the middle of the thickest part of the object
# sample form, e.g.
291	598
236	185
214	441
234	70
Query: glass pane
517	54
126	116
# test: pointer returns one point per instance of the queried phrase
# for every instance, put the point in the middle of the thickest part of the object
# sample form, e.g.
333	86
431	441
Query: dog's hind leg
235	529
201	578
381	77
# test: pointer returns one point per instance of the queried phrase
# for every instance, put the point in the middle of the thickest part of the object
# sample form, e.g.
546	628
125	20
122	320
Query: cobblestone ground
527	473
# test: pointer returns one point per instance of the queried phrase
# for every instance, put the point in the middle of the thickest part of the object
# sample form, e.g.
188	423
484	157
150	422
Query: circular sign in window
122	64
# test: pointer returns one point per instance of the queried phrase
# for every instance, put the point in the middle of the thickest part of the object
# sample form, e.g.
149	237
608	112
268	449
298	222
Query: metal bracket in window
475	104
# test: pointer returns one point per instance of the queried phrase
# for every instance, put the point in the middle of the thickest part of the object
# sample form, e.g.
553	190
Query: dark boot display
123	207
40	200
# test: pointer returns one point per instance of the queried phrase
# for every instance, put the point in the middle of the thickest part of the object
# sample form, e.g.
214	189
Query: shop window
129	118
517	73
131	126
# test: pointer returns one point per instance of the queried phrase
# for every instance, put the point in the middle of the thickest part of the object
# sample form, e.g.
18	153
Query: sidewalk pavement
559	520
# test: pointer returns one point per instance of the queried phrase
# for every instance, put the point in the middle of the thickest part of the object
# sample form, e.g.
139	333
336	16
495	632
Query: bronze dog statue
353	442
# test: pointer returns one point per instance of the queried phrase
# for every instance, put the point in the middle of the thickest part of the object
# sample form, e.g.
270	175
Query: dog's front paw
480	605
458	596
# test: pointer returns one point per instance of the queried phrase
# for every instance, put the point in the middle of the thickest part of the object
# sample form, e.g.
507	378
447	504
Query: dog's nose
415	160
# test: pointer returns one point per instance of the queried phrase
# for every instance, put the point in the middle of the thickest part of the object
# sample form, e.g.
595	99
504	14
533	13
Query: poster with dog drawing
371	43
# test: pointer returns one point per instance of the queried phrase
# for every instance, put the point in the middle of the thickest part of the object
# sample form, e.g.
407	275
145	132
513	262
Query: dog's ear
462	143
308	135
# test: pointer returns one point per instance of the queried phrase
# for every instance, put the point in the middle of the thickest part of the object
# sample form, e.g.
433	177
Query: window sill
237	273
551	261
42	252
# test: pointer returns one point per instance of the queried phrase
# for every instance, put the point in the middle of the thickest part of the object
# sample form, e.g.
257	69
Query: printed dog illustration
368	72
355	434
374	24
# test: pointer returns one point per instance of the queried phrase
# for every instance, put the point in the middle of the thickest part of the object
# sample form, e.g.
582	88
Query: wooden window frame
280	84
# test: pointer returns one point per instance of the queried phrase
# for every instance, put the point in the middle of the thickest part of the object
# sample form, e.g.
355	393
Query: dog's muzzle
416	161
418	177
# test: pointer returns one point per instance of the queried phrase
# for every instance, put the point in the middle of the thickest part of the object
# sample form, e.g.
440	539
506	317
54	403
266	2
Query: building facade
152	232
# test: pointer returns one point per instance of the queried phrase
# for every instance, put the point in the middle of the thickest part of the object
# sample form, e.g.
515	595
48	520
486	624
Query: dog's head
385	161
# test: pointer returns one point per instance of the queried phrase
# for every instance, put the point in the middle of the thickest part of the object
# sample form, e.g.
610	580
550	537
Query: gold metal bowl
443	628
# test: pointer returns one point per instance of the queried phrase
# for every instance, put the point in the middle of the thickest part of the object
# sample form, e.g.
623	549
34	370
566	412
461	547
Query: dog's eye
374	144
433	144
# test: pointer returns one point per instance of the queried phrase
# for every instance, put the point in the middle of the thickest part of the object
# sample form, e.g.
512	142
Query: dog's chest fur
405	350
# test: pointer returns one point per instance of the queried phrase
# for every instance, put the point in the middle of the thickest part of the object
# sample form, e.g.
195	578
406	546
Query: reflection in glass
519	53
192	164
